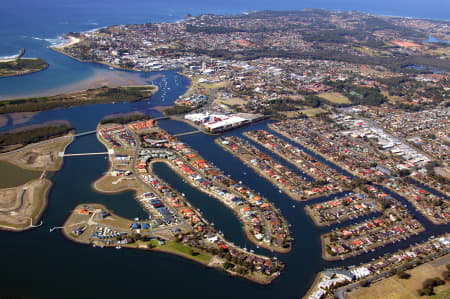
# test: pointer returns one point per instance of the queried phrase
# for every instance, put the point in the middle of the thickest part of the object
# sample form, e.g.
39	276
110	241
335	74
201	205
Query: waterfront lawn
312	112
177	248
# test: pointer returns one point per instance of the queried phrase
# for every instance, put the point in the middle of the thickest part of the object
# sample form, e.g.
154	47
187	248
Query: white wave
9	57
56	42
37	38
94	29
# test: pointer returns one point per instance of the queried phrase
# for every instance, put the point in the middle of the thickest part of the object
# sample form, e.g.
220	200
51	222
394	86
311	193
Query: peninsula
174	225
24	187
84	97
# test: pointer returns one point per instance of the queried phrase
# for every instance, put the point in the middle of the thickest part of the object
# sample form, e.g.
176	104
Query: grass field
308	112
396	288
312	112
197	87
13	176
232	101
392	98
334	97
172	246
371	52
3	121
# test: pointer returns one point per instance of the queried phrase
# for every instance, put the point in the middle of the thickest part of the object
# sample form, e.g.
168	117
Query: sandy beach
71	41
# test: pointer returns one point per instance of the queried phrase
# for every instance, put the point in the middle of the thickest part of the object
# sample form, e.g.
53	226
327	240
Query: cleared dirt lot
19	210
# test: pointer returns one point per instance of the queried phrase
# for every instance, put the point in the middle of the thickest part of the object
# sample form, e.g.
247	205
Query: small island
17	66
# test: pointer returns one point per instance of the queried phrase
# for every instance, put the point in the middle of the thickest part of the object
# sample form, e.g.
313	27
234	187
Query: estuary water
37	263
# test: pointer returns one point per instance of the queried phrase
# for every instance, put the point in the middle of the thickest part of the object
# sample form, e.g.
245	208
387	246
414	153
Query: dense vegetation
33	135
124	119
90	96
21	66
371	96
178	109
428	286
211	29
399	63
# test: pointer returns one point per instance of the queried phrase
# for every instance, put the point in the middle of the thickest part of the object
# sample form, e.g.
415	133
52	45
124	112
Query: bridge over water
85	154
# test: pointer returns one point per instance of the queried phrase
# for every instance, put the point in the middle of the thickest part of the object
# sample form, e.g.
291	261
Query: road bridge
85	154
85	133
187	133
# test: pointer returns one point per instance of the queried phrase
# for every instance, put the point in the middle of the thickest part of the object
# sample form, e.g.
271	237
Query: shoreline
19	74
66	100
138	246
375	275
102	190
414	204
294	163
261	243
332	161
110	166
72	41
48	184
60	49
315	218
247	233
330	258
313	284
291	195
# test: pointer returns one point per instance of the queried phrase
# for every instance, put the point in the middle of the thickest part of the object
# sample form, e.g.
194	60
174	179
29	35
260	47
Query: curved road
133	170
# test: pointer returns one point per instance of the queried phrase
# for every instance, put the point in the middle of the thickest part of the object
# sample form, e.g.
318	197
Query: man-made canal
48	264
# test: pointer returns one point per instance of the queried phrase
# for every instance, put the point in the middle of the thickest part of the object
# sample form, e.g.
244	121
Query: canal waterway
50	264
